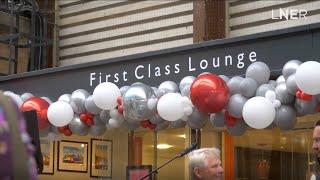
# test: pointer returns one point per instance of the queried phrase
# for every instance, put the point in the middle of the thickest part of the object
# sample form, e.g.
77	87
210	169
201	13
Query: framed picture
138	172
73	156
101	158
47	150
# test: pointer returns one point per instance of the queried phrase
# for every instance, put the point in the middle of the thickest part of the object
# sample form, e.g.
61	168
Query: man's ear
196	172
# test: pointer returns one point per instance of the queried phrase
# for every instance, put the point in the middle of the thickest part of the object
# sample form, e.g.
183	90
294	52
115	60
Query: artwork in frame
47	150
138	172
73	156
101	158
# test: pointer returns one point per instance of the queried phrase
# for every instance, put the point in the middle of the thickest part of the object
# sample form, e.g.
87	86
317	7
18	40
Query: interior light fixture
182	136
164	146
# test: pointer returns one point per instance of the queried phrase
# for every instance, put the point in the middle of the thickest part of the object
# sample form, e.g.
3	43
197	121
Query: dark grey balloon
238	129
156	119
197	119
91	106
259	71
290	68
105	116
131	125
283	94
248	87
262	89
78	127
78	98
217	119
44	132
162	126
225	78
97	130
285	117
234	84
235	105
291	84
305	107
97	120
178	124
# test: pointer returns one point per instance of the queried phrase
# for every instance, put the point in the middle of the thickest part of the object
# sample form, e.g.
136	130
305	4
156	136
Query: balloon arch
238	103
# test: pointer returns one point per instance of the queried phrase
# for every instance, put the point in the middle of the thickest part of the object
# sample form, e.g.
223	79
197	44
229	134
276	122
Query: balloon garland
235	104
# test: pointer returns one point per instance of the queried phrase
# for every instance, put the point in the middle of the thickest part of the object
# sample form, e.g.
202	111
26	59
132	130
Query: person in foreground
205	164
316	150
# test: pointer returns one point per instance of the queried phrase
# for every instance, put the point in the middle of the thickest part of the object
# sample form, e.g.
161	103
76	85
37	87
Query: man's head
316	137
205	164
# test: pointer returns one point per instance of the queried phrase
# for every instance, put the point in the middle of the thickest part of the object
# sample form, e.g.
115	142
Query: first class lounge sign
229	57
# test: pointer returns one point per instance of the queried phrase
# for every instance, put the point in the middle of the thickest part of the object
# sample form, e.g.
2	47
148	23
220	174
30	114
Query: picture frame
137	172
73	156
101	158
47	151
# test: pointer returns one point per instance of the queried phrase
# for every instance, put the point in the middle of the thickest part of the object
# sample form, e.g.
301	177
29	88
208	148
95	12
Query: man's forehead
316	131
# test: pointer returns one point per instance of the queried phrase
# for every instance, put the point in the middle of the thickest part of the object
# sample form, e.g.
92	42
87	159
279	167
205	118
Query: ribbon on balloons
303	96
87	118
41	107
120	109
119	100
145	123
230	120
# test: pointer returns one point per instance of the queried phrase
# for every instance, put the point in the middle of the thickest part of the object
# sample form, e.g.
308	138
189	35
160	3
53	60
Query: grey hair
197	158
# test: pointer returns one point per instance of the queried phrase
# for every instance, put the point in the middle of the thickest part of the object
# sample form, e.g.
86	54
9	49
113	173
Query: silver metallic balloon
47	99
225	78
238	129
197	119
105	116
290	68
131	125
156	119
272	82
97	120
78	127
97	130
65	97
169	86
186	81
280	80
123	89
26	96
305	107
162	126
185	91
234	84
259	71
78	98
235	105
178	124
217	119
262	89
91	106
135	102
285	117
283	94
248	87
114	123
291	84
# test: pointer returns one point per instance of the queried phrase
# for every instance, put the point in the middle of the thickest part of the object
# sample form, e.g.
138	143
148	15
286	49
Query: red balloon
209	93
119	100
83	117
303	96
120	109
67	132
41	107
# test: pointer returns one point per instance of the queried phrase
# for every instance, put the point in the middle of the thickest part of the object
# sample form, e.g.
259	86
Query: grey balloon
235	105
105	116
178	124
273	83
44	132
305	107
318	97
186	81
291	84
97	130
290	68
248	87
78	98
135	102
91	106
78	127
26	96
197	119
123	89
162	126
259	71
280	80
65	98
285	117
234	84
185	91
130	125
97	120
225	78
262	89
156	119
283	94
217	119
169	86
238	129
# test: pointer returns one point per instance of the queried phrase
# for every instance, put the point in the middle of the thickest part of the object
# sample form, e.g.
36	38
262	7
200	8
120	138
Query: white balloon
65	97
307	77
15	97
60	113
258	112
271	95
188	110
105	95
170	107
276	103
